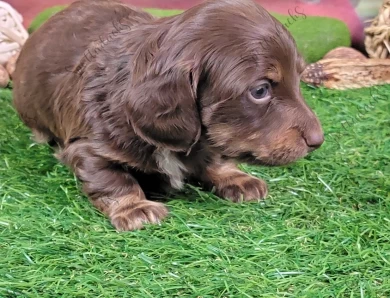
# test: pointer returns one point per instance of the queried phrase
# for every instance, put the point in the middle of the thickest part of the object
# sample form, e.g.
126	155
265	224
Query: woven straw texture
12	33
377	39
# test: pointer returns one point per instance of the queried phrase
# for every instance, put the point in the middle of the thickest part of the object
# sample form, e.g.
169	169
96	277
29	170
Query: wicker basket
12	33
377	40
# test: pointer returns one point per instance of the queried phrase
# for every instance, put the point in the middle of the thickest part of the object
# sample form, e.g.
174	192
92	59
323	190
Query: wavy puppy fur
136	104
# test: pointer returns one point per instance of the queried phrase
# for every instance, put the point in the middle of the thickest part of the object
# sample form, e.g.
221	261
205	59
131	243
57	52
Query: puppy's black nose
314	139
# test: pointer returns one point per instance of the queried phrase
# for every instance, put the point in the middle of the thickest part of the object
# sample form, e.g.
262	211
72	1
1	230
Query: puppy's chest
170	165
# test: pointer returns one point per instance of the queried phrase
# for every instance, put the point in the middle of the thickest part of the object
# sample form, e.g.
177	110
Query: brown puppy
133	102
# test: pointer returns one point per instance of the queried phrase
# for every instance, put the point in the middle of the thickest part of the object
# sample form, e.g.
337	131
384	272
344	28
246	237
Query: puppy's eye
261	93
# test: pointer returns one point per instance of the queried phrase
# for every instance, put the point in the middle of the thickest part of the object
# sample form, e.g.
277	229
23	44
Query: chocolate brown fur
133	102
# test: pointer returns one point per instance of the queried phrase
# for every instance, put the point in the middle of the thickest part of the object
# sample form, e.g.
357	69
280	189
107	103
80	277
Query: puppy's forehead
240	40
249	25
229	14
247	8
278	51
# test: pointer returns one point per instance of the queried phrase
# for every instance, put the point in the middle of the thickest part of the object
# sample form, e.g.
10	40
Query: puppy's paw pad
251	189
134	216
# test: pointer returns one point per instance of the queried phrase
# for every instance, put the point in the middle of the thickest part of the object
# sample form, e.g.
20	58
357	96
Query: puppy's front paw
244	188
134	216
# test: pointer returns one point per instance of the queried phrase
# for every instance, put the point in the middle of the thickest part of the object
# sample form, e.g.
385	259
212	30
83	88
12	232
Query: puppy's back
45	66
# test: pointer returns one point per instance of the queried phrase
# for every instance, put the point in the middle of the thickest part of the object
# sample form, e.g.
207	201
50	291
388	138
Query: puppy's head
230	71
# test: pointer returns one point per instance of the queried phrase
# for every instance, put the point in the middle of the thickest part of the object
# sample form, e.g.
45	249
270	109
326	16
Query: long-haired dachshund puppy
134	103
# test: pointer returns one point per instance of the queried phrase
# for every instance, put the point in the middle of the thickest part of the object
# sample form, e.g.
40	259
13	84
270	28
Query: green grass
323	232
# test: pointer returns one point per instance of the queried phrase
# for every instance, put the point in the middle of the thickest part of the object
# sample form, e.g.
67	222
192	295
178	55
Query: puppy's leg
110	188
233	184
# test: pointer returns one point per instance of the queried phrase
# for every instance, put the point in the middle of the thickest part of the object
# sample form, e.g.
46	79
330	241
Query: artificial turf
324	231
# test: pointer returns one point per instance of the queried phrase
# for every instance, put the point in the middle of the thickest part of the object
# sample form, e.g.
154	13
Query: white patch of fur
39	137
170	165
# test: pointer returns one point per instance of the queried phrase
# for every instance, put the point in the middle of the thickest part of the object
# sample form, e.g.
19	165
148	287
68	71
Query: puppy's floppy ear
162	107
